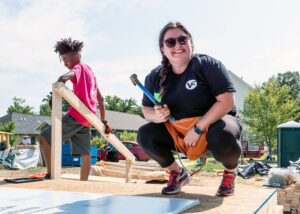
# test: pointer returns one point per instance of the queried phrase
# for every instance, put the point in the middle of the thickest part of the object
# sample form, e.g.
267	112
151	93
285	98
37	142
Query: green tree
267	107
128	136
9	127
128	105
45	107
98	141
18	107
291	79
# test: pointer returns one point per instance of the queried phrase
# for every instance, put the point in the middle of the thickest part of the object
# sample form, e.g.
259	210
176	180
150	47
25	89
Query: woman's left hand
191	138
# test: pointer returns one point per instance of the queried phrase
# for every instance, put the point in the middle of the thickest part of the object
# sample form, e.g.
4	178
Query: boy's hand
50	102
107	127
63	79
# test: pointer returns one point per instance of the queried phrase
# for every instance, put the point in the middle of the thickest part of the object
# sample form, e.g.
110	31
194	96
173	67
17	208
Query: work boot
227	186
177	179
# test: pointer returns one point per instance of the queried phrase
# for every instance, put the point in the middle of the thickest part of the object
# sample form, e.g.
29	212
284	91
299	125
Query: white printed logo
191	84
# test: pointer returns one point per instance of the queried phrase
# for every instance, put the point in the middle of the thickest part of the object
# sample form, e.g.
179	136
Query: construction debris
290	198
140	170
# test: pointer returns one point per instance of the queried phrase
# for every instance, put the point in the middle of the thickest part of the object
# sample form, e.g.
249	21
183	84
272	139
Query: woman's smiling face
180	54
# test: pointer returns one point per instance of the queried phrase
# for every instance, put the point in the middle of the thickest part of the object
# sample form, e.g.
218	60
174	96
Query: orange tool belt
178	129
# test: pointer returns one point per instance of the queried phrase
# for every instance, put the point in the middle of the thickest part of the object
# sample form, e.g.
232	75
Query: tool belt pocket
178	130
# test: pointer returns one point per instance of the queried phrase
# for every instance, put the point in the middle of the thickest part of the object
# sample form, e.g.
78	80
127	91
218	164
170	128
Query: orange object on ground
178	130
41	175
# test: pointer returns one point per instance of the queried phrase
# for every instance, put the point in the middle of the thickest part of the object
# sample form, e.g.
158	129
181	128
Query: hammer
135	82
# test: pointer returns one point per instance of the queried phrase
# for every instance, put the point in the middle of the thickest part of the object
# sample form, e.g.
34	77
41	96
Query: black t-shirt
194	91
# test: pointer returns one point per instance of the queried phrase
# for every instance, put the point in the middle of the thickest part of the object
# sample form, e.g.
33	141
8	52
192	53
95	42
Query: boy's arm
64	78
101	105
102	111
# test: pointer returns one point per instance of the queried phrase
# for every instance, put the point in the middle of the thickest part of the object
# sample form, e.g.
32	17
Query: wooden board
5	136
56	136
27	147
63	91
136	166
60	90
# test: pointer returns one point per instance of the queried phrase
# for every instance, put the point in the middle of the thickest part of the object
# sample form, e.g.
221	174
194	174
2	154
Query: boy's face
70	59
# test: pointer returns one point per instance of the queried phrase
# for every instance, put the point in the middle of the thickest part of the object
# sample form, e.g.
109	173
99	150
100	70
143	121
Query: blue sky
254	39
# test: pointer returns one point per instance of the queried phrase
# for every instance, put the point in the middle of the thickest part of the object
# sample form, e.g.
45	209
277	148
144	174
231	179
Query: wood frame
5	136
59	91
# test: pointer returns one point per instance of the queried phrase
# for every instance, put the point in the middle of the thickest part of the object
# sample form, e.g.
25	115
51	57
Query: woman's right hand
156	114
162	112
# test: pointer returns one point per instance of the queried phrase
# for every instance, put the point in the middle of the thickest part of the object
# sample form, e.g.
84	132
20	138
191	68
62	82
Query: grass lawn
211	165
262	158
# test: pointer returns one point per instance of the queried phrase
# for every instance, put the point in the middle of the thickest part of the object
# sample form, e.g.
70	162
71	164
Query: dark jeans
222	140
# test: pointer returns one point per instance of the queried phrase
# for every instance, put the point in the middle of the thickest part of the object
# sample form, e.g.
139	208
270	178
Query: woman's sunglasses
171	42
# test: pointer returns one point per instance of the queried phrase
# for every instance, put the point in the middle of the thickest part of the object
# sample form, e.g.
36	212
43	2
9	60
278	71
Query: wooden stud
66	93
4	136
7	141
33	147
56	137
128	171
63	91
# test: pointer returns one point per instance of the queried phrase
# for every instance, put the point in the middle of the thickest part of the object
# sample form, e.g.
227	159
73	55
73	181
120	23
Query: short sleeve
77	70
151	82
216	75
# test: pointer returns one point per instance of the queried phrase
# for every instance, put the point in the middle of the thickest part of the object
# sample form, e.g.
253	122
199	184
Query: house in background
25	125
242	90
31	125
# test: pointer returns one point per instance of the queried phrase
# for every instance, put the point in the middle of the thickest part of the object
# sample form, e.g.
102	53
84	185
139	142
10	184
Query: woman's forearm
225	102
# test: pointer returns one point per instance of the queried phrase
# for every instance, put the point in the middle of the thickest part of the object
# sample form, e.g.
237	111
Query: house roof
31	124
25	123
123	121
233	75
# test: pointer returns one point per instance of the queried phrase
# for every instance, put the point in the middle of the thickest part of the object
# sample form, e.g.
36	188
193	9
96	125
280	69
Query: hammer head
134	79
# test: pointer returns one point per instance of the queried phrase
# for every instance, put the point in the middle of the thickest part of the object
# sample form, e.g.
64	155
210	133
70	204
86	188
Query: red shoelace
227	179
173	178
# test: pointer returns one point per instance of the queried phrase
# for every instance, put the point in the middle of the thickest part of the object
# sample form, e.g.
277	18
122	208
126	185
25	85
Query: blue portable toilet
288	143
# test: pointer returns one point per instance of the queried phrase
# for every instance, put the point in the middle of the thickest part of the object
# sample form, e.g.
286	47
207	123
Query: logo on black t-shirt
191	84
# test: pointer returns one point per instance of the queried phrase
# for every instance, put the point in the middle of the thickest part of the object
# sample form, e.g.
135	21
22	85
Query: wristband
197	130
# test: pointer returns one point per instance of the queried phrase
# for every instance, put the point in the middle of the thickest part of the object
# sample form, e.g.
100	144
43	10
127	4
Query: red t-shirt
85	88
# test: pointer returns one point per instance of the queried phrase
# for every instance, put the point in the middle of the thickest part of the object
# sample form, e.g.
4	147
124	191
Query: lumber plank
5	136
56	135
141	163
63	91
122	165
27	147
128	171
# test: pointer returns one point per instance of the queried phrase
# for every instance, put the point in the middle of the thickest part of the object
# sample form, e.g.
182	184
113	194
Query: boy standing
74	126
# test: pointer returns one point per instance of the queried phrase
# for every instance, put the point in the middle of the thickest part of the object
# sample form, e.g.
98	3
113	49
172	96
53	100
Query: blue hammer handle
135	81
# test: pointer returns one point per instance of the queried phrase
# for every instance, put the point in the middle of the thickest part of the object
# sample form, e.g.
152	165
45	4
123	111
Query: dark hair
166	67
68	45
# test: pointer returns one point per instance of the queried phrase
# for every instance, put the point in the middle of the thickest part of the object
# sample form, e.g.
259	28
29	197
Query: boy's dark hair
67	45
